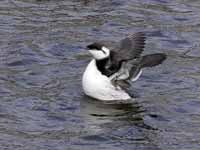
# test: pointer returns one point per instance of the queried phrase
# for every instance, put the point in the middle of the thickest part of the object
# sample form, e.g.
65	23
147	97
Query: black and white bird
108	75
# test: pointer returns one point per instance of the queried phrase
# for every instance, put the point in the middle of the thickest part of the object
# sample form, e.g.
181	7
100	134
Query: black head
95	46
98	51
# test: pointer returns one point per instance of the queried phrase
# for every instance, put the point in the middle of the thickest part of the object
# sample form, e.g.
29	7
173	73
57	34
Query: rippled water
42	58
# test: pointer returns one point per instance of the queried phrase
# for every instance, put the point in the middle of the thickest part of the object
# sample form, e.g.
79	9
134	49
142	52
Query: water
43	56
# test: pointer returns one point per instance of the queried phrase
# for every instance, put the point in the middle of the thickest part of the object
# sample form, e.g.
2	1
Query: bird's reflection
100	115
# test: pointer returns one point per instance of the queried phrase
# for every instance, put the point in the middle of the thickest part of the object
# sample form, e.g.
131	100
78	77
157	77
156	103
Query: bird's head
98	51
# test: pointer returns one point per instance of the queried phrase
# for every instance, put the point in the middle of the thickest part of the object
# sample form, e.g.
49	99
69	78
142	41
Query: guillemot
109	73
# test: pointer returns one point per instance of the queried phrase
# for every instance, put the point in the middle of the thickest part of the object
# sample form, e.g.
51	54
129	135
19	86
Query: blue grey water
43	56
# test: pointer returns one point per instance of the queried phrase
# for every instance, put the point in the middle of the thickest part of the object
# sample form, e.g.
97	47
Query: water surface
43	56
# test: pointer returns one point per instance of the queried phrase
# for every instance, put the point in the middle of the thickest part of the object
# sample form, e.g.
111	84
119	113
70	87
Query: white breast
99	86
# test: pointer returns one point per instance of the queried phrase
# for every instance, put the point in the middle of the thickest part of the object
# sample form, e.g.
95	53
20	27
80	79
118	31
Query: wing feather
126	63
130	47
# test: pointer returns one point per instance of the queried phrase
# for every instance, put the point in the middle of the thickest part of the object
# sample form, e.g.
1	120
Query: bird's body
108	75
99	86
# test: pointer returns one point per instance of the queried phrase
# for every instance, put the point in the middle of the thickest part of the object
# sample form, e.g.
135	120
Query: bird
109	74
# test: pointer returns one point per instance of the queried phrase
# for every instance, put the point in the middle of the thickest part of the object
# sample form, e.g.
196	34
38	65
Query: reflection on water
121	121
42	57
97	113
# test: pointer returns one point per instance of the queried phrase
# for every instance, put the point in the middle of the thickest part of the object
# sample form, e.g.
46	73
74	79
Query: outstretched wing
125	62
132	69
130	48
126	53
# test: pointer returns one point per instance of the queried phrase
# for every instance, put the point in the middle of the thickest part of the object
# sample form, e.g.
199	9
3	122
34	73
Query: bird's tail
152	60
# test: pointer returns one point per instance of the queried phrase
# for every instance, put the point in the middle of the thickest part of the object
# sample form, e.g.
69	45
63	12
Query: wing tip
153	59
